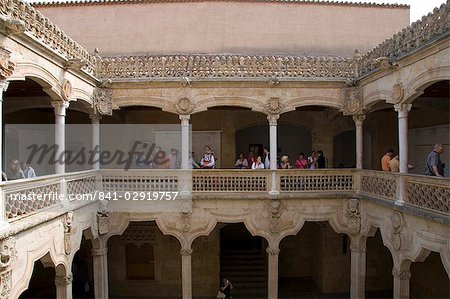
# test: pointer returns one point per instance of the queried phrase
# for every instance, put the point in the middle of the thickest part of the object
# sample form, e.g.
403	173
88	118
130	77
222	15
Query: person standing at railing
394	165
208	160
258	164
241	162
251	159
434	164
386	158
321	160
266	158
285	164
27	170
312	160
301	162
15	173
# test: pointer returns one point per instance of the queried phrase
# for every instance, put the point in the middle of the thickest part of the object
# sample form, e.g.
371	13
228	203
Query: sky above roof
419	8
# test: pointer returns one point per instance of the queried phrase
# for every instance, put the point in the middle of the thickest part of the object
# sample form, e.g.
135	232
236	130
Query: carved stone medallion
397	93
66	90
274	106
353	103
184	106
102	100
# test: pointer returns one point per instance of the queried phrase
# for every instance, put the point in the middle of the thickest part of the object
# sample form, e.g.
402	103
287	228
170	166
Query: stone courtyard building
350	79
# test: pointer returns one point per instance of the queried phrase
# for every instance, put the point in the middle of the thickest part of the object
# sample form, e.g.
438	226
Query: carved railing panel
316	180
429	193
42	29
140	180
429	28
230	181
225	66
29	197
379	183
85	184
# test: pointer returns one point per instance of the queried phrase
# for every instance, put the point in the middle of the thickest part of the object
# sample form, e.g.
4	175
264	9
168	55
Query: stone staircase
246	269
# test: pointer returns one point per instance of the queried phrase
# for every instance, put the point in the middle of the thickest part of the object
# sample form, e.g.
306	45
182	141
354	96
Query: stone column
401	283
3	87
403	110
358	269
273	118
359	120
100	265
60	134
186	273
63	287
272	272
185	141
95	119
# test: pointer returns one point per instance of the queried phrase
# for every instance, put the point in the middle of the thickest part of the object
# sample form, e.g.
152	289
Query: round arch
416	86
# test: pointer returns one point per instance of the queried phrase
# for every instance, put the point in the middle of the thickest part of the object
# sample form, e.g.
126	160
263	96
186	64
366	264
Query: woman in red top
301	162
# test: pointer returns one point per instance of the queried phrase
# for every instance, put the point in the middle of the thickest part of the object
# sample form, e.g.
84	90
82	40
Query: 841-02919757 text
137	195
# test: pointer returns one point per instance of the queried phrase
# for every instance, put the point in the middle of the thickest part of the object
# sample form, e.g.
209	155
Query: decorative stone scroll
353	99
6	65
184	106
103	217
269	67
353	215
8	255
102	101
397	226
67	222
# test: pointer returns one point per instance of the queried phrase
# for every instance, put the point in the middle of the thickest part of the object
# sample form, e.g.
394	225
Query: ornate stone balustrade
188	67
21	16
425	192
317	180
28	196
422	192
428	29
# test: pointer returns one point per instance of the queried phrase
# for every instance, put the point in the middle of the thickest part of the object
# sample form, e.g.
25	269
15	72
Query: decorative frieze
67	222
353	215
18	16
413	37
186	67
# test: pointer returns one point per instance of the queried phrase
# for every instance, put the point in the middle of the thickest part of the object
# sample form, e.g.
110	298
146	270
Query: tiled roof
319	2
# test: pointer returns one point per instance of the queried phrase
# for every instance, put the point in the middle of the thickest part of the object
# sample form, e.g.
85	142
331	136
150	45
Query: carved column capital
273	118
401	274
186	251
402	109
99	251
272	251
63	280
60	107
184	119
359	119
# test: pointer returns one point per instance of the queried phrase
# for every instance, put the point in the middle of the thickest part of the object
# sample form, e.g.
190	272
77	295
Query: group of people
434	166
17	171
315	160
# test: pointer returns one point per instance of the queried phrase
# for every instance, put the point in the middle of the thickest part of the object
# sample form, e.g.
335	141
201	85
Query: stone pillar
272	290
358	269
403	110
100	265
186	273
3	87
359	120
60	134
401	283
63	287
185	141
273	118
95	119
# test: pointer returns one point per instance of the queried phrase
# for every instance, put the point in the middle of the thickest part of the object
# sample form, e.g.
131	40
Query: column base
274	192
